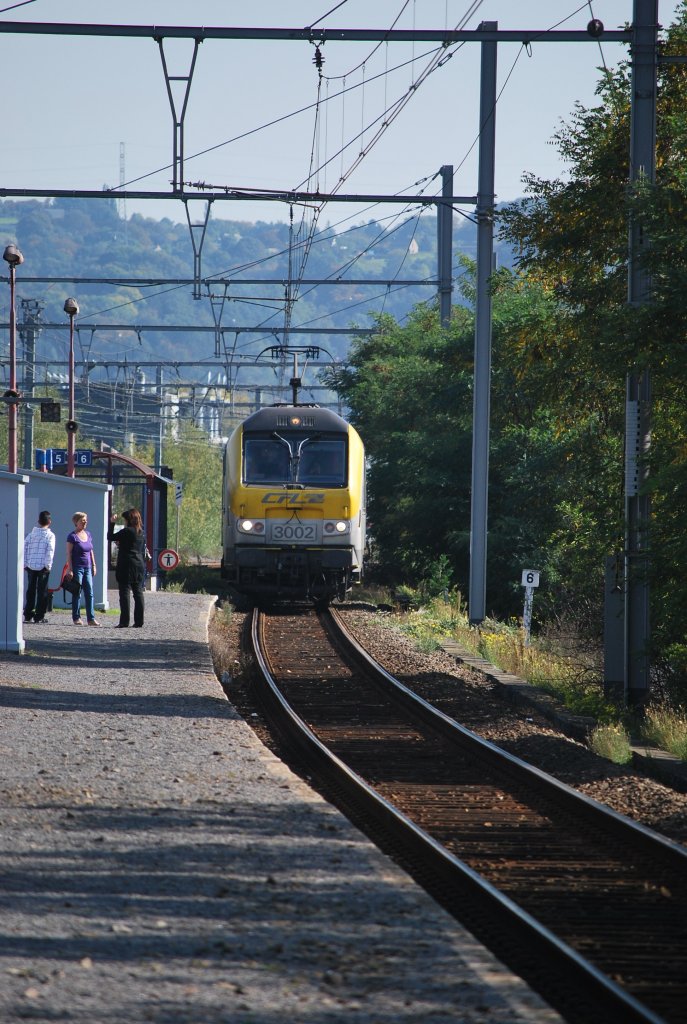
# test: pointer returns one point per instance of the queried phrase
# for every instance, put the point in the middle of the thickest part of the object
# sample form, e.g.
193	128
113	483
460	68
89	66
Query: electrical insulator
595	28
318	59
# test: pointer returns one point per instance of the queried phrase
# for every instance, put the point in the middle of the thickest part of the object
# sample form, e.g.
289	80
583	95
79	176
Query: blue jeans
85	578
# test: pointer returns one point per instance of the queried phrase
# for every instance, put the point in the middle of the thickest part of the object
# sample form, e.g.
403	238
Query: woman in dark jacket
131	565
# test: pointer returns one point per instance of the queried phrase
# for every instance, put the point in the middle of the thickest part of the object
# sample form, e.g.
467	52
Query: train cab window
265	461
323	463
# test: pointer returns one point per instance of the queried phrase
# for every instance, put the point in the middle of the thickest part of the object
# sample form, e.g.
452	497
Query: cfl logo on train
277	498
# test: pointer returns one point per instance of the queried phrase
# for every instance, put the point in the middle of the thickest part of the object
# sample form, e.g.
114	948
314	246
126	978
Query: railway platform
158	863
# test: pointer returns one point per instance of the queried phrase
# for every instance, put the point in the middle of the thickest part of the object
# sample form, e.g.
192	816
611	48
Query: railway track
589	907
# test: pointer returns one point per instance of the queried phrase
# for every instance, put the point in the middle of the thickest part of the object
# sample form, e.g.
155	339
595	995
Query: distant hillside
88	239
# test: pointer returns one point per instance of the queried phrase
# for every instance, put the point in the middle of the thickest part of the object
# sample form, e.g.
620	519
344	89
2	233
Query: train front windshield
296	459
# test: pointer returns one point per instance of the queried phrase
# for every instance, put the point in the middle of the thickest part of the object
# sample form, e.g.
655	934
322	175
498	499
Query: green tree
410	392
572	238
197	464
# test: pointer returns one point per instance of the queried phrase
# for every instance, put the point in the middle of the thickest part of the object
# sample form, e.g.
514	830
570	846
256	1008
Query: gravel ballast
475	701
159	864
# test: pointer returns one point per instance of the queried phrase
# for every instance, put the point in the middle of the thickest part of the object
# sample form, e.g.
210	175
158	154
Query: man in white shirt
39	551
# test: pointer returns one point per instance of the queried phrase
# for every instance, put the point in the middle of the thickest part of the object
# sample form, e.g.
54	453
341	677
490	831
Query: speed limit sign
168	559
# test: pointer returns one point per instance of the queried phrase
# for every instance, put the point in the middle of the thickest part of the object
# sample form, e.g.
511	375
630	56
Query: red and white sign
168	559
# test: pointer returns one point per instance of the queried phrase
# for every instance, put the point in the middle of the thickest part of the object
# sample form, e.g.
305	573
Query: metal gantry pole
12	411
13	258
71	308
445	245
28	332
161	427
638	404
482	368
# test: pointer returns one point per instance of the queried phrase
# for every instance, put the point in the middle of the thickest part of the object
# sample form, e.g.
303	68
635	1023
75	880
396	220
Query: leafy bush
666	729
612	742
438	579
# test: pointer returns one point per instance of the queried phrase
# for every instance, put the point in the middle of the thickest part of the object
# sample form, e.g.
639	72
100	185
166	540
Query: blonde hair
77	516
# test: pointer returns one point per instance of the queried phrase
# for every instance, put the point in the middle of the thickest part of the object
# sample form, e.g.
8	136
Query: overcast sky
71	102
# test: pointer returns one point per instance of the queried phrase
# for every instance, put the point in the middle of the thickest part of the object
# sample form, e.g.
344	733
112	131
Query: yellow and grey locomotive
293	520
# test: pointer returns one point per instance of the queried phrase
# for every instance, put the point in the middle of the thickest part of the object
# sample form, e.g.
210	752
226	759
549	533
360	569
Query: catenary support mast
482	373
637	441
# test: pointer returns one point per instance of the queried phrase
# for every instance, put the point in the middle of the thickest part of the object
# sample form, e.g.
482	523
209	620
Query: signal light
50	412
72	426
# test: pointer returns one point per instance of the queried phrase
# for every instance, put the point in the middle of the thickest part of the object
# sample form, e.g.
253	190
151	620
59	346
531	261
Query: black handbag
69	582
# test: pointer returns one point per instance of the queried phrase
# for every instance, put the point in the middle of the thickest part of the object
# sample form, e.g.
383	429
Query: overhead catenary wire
394	109
317	21
339	272
527	47
519	53
237	269
268	124
310	235
334	276
22	3
351	71
389	116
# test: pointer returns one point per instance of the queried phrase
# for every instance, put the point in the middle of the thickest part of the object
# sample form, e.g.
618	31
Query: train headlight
333	526
255	526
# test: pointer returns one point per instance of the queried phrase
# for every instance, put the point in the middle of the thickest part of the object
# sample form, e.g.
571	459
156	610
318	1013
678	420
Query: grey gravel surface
158	863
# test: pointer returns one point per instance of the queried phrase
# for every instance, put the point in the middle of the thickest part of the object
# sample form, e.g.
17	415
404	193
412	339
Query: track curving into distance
588	906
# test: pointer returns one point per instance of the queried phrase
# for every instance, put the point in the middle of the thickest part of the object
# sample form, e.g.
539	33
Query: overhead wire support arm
178	144
197	230
217	306
235	193
360	35
222	282
204	329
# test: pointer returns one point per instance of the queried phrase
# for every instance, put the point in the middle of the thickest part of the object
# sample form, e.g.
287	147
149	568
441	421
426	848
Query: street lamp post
71	308
13	258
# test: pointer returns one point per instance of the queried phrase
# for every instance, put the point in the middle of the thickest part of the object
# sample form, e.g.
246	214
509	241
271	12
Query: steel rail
671	854
569	982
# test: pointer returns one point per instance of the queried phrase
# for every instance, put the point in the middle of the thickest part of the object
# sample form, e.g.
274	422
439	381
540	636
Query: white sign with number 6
530	578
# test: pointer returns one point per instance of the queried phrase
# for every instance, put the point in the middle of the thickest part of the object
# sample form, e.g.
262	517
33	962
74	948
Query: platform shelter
132	484
62	496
